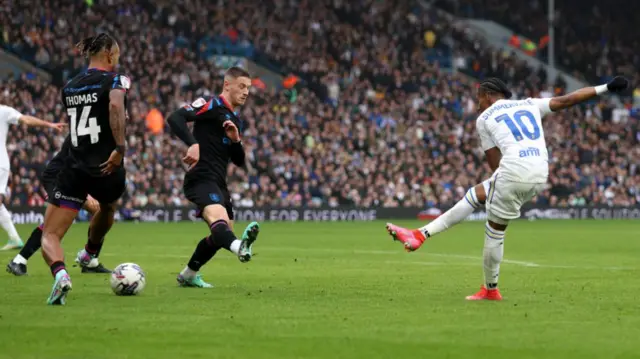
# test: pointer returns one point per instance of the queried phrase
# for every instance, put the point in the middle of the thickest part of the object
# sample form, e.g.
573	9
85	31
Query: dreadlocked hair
495	85
94	44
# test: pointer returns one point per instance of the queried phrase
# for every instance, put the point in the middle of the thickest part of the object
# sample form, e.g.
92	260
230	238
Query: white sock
188	272
492	254
7	224
20	260
453	216
235	246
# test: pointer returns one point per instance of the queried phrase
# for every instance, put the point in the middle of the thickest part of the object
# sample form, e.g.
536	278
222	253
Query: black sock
57	267
203	253
99	248
93	248
492	285
221	234
33	243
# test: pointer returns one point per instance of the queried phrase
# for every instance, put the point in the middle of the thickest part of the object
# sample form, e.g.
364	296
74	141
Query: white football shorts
505	198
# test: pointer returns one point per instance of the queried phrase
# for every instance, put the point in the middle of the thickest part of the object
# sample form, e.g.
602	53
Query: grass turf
339	290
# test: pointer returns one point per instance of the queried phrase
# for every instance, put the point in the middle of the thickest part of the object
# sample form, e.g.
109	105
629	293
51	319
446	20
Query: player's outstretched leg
412	239
249	236
205	250
492	257
15	242
18	265
221	237
87	257
57	221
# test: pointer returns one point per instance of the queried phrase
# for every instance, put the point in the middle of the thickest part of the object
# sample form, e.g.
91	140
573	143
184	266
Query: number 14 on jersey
79	129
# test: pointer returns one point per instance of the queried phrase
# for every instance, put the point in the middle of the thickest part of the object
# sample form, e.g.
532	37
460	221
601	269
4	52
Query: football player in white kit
11	116
512	137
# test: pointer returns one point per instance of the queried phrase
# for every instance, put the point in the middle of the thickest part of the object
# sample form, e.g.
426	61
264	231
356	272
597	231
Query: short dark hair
91	46
235	72
495	85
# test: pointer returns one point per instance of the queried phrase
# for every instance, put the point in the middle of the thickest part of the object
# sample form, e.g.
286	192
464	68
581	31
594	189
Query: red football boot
486	294
412	239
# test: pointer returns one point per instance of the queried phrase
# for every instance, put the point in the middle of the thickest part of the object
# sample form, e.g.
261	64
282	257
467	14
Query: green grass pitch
340	290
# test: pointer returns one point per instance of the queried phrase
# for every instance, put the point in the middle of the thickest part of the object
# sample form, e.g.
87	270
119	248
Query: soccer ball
128	279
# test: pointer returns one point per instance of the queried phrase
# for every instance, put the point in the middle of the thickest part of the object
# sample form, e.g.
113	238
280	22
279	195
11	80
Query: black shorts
48	183
72	186
49	176
203	194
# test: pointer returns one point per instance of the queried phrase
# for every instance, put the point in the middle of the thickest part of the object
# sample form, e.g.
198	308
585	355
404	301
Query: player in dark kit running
95	104
18	266
215	142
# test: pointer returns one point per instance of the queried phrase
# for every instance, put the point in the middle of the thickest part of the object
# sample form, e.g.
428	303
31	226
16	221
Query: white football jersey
515	127
8	116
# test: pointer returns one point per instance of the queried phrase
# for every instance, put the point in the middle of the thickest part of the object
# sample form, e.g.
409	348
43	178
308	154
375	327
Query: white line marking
447	255
473	260
435	264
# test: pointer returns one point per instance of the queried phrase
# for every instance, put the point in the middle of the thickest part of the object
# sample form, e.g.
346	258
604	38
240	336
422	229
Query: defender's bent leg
91	205
57	221
216	217
101	222
249	235
218	220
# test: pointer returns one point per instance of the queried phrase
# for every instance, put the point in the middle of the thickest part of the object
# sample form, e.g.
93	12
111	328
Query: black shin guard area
33	243
221	234
203	253
93	248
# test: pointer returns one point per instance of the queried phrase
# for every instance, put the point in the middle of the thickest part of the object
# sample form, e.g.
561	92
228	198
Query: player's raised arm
618	84
13	116
36	122
178	120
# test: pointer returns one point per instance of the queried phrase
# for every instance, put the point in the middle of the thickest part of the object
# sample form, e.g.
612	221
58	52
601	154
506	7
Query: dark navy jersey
86	99
216	149
57	162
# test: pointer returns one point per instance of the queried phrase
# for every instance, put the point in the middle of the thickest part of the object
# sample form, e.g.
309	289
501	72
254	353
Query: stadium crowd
593	40
376	121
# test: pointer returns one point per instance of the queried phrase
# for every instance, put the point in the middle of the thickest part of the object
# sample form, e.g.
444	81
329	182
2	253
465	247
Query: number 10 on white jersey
81	128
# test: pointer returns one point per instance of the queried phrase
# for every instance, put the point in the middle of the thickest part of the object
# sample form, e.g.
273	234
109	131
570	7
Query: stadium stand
378	120
593	31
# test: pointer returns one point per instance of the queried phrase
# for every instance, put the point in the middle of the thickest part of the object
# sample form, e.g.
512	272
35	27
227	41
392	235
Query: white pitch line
521	263
434	264
473	260
446	255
